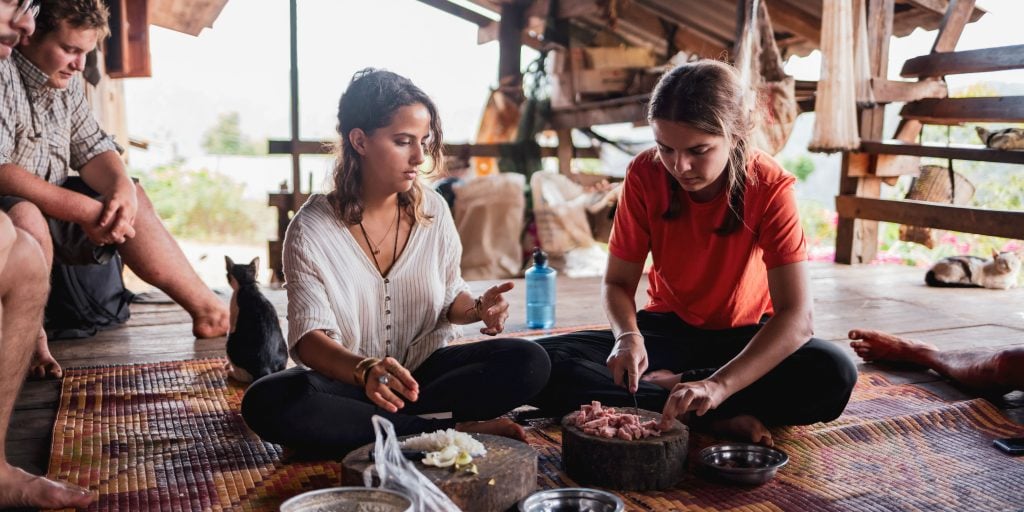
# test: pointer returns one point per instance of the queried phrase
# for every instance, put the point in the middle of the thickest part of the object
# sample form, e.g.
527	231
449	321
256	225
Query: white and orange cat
999	272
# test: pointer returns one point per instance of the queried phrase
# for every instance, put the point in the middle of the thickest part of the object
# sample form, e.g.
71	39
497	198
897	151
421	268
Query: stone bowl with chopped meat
614	448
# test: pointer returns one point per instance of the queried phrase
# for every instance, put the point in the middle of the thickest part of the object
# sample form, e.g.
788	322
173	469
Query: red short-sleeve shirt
708	280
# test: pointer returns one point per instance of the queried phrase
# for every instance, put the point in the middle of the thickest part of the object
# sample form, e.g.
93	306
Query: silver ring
384	379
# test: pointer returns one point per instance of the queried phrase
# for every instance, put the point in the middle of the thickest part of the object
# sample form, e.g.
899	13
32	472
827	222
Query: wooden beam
857	239
565	151
908	132
1005	109
630	109
488	33
936	6
958	14
891	91
953	151
690	20
312	147
186	16
786	15
972	61
457	10
879	22
1001	223
510	43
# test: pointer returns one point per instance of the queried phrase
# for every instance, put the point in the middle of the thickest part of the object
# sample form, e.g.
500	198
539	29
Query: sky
242	65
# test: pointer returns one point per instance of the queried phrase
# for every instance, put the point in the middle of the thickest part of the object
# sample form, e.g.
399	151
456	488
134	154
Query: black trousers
813	384
320	417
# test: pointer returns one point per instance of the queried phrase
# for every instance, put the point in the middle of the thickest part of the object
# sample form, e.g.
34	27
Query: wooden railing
858	204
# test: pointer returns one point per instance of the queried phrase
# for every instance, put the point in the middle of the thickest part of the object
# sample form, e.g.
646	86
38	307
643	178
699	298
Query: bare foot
881	346
504	427
744	427
44	366
662	378
211	323
21	489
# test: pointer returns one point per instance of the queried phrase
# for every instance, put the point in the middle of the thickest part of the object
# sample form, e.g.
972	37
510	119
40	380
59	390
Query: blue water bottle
540	292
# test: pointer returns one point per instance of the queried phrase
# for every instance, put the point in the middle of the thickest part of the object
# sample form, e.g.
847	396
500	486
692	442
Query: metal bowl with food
572	500
348	499
742	462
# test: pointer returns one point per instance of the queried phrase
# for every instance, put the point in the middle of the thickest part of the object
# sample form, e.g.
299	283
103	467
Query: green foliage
801	166
205	206
226	138
818	223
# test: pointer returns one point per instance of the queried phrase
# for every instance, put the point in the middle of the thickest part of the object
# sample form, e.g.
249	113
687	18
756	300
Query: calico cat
999	272
255	345
1007	138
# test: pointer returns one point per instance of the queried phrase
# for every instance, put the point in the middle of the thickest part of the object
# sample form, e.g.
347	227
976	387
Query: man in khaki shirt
82	219
24	282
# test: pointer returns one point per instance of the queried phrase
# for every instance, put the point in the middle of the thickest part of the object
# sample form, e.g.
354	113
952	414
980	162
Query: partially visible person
49	132
984	370
375	295
24	283
17	21
727	334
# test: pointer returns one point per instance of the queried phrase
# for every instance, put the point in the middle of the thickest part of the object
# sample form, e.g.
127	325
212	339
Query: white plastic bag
399	474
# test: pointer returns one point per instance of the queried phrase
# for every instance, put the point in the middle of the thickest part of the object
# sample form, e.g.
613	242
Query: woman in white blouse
375	294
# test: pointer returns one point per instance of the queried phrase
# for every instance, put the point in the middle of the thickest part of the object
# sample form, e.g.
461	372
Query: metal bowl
348	499
743	463
572	500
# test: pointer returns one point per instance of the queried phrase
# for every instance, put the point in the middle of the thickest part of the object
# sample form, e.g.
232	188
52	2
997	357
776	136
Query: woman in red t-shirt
727	332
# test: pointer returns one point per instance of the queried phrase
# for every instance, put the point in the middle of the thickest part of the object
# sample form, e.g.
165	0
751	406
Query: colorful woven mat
896	447
168	436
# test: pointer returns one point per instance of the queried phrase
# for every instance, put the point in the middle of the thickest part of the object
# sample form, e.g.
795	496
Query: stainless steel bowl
572	500
743	463
348	499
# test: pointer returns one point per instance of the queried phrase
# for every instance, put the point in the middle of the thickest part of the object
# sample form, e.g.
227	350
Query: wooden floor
890	298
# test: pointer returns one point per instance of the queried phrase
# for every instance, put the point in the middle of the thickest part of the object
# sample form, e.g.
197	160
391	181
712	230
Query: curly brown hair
369	103
79	14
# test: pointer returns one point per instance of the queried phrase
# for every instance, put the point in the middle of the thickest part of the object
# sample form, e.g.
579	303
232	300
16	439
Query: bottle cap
540	258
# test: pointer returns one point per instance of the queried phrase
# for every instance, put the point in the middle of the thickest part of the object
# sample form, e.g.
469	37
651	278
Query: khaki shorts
71	246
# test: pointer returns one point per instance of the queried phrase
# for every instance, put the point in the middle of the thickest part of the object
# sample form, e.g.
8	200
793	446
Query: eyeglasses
29	7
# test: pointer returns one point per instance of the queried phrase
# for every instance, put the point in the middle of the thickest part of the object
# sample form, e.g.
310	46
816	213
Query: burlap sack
489	218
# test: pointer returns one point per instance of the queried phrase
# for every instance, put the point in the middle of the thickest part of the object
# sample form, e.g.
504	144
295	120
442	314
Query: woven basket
934	185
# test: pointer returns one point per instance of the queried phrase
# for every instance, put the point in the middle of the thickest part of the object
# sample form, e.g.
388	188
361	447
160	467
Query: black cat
255	345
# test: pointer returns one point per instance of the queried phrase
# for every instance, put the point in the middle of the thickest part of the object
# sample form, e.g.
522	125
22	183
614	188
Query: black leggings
317	416
813	384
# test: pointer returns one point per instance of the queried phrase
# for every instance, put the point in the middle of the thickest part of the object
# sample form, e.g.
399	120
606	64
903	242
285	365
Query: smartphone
1013	445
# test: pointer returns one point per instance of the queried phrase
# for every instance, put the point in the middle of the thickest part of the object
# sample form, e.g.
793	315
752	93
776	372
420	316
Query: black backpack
85	299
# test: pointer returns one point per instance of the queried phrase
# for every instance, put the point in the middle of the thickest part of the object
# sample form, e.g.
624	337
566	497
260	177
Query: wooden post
565	150
510	41
856	239
294	86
